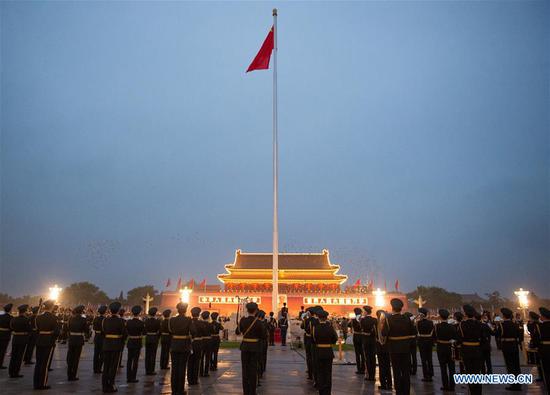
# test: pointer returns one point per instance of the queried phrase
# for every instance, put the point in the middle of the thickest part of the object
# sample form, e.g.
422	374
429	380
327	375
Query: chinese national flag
357	283
261	61
178	286
168	283
397	285
203	284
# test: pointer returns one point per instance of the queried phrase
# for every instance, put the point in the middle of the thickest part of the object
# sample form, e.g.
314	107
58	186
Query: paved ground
285	376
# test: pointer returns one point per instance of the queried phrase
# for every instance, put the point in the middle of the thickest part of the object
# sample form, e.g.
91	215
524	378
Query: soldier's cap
114	307
8	307
423	310
35	309
48	304
136	310
544	312
271	313
182	307
534	316
251	307
205	315
443	313
78	310
506	312
23	308
166	313
357	311
152	311
396	303
214	316
316	309
261	314
323	314
368	309
102	309
469	310
458	315
195	311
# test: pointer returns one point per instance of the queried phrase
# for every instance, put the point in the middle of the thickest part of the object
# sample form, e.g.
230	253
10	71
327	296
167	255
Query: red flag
167	283
261	61
385	285
178	286
203	284
357	283
397	285
192	284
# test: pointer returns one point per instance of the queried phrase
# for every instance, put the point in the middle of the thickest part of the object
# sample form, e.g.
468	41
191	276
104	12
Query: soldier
98	339
399	332
29	351
412	350
324	337
486	332
368	327
263	345
542	343
48	330
206	354
383	353
165	340
470	336
113	330
283	325
152	329
313	323
135	329
216	327
358	340
252	333
532	324
510	337
425	329
121	314
5	333
458	317
77	326
306	326
196	345
444	335
21	327
272	325
180	348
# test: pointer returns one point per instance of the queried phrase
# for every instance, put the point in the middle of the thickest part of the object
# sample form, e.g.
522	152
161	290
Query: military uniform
5	333
21	328
470	337
324	337
272	325
425	329
383	353
486	333
196	345
306	326
165	340
48	330
29	351
152	329
252	332
215	327
180	347
358	342
77	326
98	339
541	341
206	354
368	327
283	326
444	335
113	330
511	337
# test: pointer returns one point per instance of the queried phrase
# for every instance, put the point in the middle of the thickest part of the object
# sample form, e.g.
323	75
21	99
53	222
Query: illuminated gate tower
305	279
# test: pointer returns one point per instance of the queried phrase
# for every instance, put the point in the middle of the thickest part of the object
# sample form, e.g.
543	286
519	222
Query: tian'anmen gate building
305	279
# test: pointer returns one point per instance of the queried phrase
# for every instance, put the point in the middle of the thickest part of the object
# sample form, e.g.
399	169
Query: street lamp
54	293
185	294
523	300
379	300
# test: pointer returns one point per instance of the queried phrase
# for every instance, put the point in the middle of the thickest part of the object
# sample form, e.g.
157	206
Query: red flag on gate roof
192	284
178	286
261	61
203	284
385	285
167	283
397	285
357	283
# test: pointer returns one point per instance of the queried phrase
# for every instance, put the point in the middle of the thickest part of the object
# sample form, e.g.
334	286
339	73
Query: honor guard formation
189	344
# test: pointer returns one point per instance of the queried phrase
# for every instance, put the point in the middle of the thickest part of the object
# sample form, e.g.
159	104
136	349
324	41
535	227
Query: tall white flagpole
275	293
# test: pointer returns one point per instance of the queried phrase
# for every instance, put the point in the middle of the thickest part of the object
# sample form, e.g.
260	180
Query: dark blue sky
414	141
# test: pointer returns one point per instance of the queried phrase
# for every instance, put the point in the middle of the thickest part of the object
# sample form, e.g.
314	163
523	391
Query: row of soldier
192	344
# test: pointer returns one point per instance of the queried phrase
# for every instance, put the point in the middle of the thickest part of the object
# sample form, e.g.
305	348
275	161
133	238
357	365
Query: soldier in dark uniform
425	329
470	334
165	340
196	345
216	327
272	325
48	330
77	326
444	335
486	332
399	331
368	327
113	330
314	321
283	325
152	329
541	341
358	340
20	327
206	354
458	317
532	324
98	339
412	350
383	353
324	337
29	351
306	326
121	314
180	348
510	337
252	332
135	329
263	345
5	333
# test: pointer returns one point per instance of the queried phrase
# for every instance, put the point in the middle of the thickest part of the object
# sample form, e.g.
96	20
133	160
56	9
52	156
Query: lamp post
523	301
55	291
185	295
379	300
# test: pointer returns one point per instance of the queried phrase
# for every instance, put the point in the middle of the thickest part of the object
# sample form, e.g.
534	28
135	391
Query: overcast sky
414	141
